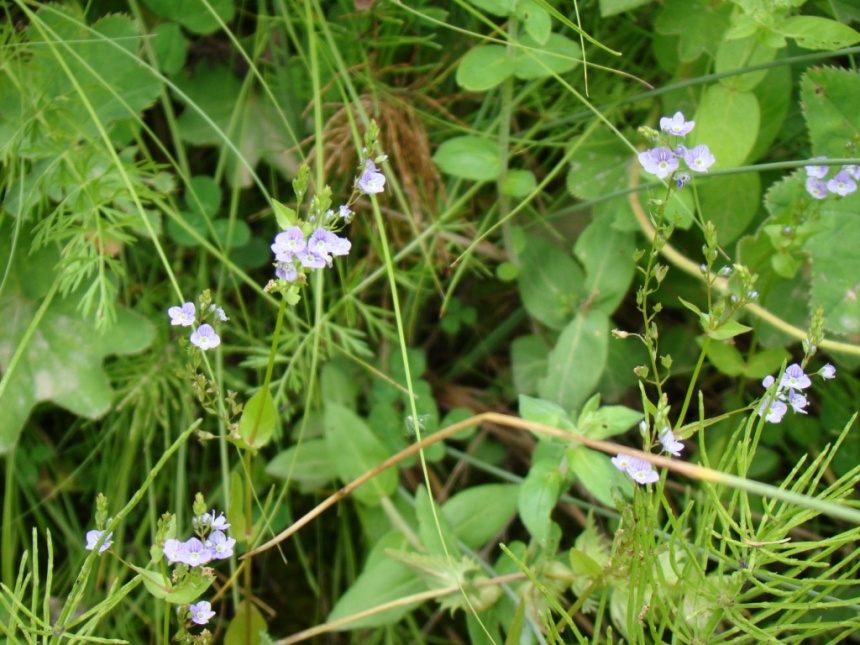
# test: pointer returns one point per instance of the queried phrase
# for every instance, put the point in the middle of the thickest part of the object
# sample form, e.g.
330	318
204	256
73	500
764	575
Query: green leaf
231	234
739	54
608	421
535	19
774	99
613	7
196	16
551	282
814	32
726	358
599	165
728	122
428	529
538	496
479	513
62	362
529	356
595	471
169	46
258	419
101	58
499	8
518	183
469	158
699	25
189	590
582	565
382	580
731	203
484	67
836	266
203	196
355	450
577	361
607	255
831	105
180	229
238	630
764	362
545	412
309	464
729	329
285	216
534	60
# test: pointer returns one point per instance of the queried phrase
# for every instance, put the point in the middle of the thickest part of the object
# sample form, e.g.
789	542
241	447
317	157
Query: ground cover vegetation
483	321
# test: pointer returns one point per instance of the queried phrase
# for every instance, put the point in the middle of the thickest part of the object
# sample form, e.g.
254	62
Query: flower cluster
306	244
788	392
844	182
292	251
210	544
204	335
663	161
640	470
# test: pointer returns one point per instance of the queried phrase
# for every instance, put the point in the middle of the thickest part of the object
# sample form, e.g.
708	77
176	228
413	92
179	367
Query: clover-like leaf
61	353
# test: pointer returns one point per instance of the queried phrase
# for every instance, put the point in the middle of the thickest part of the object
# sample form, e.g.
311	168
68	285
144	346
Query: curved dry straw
691	471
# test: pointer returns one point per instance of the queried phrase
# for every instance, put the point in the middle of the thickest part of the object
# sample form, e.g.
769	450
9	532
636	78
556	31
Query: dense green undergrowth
490	321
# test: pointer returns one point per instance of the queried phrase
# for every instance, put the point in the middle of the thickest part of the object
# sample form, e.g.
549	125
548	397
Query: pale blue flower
311	260
774	409
676	125
842	184
201	612
794	378
828	371
183	315
816	187
852	170
670	443
219	313
371	181
344	211
288	243
173	550
816	171
322	242
660	162
205	337
340	246
699	158
642	472
621	462
682	178
797	401
195	553
220	545
93	537
286	271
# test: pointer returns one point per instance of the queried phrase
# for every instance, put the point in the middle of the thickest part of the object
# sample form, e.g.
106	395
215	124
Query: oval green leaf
258	419
484	67
469	158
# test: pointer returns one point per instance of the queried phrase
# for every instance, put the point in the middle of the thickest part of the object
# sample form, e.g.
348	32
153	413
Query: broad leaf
551	282
484	67
469	158
728	122
479	513
528	362
815	32
538	496
545	412
595	471
62	361
355	450
831	105
309	464
258	419
731	203
607	255
699	25
613	7
238	630
382	580
577	361
518	183
535	60
197	16
600	164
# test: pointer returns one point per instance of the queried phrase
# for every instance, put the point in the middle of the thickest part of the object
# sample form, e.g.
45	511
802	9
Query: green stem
692	384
